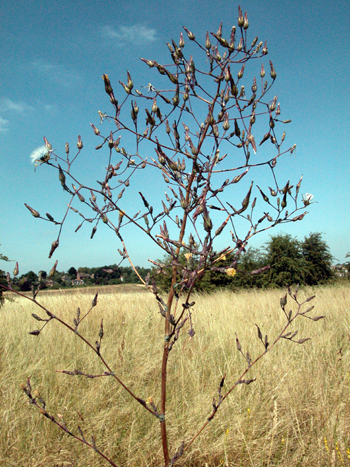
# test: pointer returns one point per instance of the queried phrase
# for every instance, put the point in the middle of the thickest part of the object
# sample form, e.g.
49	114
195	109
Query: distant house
340	270
50	283
79	280
66	278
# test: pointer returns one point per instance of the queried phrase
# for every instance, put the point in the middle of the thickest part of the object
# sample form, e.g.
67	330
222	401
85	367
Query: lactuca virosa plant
205	125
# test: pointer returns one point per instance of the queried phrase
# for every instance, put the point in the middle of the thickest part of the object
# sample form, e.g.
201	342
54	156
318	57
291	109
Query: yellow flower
231	272
188	256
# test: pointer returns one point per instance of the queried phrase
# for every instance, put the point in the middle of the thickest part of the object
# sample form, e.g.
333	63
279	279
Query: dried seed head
272	106
307	198
191	36
150	63
254	87
181	42
207	41
126	88
154	106
232	37
33	211
79	143
246	22
262	71
240	17
255	40
110	140
108	87
16	270
265	49
129	84
219	32
273	73
61	176
96	130
67	148
54	245
226	124
241	71
53	270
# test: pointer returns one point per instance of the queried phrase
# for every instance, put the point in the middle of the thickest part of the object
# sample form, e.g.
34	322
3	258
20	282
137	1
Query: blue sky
53	55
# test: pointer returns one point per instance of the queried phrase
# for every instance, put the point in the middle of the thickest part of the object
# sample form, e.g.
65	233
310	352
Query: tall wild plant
205	124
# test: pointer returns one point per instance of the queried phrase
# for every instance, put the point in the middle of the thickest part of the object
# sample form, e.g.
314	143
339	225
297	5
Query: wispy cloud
3	125
56	72
135	34
8	108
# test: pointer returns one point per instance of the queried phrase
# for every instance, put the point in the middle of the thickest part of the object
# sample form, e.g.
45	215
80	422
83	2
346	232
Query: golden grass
297	412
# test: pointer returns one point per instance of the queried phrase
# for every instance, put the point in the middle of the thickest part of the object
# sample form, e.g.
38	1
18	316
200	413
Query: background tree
284	256
72	272
44	275
251	260
315	252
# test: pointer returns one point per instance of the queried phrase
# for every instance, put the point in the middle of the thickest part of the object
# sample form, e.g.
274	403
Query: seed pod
181	41
254	87
246	22
273	73
241	72
61	176
126	89
33	211
245	202
255	40
108	87
54	245
262	71
16	270
191	36
207	42
265	138
96	130
265	198
240	17
79	143
265	50
226	124
150	63
53	270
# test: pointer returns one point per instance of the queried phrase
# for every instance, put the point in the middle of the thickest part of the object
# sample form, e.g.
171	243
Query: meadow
296	413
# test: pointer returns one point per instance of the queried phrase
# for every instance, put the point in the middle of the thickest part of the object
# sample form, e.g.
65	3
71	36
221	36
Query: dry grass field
296	413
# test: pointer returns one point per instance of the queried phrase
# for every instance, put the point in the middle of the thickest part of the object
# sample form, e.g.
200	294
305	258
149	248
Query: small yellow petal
231	272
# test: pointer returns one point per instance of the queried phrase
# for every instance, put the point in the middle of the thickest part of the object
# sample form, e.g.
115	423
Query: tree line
283	261
289	261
